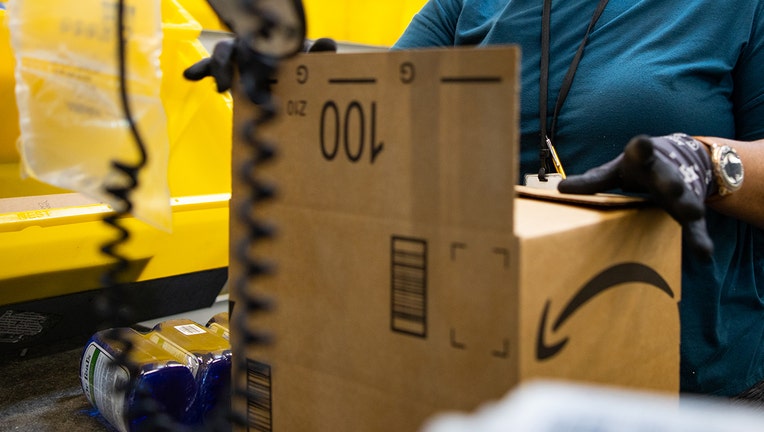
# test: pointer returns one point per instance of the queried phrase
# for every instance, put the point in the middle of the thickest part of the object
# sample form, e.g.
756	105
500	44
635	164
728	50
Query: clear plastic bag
67	90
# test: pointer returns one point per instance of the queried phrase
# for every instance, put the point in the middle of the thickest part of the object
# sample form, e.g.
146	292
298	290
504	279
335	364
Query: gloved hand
674	171
220	65
321	45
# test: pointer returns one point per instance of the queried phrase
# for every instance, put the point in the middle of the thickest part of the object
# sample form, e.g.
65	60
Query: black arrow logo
607	279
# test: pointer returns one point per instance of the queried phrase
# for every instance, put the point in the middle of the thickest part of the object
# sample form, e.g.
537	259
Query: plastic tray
45	230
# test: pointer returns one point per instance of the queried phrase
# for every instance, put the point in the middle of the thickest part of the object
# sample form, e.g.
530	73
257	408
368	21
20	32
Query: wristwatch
726	165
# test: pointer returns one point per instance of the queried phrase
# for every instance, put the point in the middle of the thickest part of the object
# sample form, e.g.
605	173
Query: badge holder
542	180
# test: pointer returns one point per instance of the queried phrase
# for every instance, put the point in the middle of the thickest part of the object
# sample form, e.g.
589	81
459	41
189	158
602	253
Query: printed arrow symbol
607	279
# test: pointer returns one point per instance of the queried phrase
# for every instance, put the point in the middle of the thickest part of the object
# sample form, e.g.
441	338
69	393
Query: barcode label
408	282
190	329
259	407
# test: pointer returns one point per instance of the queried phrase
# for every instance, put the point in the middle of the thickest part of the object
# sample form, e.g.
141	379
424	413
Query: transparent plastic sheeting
70	111
556	407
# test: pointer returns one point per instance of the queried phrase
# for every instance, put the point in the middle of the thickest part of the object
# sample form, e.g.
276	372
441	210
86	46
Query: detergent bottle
117	391
210	364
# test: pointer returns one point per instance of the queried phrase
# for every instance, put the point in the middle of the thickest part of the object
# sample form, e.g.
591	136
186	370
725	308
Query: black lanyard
546	16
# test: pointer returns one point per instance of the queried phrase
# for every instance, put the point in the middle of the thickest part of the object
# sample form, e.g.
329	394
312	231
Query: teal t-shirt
650	67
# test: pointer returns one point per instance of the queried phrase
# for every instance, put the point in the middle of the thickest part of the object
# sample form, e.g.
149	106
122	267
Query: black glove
321	45
220	65
674	171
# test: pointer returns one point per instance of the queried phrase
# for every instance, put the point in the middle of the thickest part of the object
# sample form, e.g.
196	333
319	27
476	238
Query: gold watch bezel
722	156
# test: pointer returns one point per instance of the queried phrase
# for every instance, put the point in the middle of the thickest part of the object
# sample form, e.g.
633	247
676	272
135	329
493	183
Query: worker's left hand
675	173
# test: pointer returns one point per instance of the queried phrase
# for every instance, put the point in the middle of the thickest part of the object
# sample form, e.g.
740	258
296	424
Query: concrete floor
44	394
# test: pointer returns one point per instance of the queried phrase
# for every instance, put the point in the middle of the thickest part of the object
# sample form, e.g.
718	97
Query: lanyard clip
543	158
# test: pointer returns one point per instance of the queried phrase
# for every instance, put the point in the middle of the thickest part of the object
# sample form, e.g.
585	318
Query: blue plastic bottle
211	364
159	374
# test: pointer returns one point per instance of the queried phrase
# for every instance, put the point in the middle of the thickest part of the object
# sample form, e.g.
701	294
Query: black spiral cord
255	72
256	61
112	305
256	152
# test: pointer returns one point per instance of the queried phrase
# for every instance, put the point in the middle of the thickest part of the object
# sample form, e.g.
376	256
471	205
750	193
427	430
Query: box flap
425	136
598	200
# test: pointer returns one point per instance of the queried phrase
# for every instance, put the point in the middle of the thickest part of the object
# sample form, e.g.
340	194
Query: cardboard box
411	277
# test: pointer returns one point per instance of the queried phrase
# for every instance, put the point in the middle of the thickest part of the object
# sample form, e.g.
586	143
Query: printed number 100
349	128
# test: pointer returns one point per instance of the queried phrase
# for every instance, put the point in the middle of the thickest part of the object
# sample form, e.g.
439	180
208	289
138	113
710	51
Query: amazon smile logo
607	279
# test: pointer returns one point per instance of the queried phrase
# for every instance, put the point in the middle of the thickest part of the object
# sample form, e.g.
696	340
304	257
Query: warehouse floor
44	394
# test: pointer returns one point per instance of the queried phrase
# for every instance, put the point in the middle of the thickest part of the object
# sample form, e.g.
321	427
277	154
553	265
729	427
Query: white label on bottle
101	380
190	329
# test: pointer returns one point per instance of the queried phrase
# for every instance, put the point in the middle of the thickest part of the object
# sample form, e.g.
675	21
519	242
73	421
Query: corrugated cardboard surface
404	285
612	284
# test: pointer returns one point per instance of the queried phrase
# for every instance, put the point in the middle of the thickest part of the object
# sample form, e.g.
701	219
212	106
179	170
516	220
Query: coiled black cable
113	305
256	71
256	54
257	151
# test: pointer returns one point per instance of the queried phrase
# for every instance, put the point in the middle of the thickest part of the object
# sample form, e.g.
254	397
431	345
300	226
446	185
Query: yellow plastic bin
369	22
198	118
203	14
9	116
50	238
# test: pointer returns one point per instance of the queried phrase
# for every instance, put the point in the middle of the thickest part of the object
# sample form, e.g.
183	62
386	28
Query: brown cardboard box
411	278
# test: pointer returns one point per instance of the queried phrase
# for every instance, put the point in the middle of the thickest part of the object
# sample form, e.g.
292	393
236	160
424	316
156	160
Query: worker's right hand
321	45
220	65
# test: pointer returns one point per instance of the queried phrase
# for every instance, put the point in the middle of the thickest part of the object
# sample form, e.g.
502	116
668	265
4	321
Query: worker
664	98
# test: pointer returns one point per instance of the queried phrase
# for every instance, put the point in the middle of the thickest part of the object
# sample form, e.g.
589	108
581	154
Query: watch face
731	168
